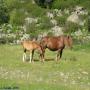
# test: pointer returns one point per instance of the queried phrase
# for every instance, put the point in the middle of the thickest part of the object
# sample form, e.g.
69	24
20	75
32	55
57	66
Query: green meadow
72	72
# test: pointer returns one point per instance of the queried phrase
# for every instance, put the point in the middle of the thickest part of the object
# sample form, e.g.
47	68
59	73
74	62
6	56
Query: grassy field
72	72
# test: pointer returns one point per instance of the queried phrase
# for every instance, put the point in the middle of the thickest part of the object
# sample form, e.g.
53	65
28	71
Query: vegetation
15	12
44	3
4	15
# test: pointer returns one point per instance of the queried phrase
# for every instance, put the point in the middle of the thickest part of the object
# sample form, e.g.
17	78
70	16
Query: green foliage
40	2
85	4
62	20
34	29
88	22
14	4
31	29
44	3
3	40
34	10
17	17
4	14
45	23
15	12
62	4
72	27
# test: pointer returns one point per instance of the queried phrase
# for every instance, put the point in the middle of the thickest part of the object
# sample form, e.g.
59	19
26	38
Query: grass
72	72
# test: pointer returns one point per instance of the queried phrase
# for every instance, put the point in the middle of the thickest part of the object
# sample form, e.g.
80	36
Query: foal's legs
30	56
24	55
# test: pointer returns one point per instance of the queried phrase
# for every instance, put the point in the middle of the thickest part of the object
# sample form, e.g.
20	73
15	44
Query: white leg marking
24	57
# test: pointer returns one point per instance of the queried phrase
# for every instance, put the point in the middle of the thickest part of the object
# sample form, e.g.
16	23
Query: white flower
84	72
57	30
53	21
50	15
31	20
61	73
78	33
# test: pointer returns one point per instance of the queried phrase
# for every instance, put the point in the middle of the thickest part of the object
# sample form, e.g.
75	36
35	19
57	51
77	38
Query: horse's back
53	43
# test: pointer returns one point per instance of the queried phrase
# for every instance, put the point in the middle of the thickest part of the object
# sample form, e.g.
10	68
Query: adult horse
56	44
31	46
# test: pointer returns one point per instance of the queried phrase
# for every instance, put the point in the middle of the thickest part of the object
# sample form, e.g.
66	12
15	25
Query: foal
31	46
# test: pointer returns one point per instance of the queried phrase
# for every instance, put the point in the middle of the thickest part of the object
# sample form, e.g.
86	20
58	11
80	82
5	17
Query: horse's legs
61	53
43	55
24	55
57	57
32	55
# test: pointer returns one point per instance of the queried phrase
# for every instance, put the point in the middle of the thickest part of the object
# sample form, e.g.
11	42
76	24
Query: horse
56	43
31	46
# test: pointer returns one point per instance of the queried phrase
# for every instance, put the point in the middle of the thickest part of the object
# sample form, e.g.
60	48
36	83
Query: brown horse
31	46
56	44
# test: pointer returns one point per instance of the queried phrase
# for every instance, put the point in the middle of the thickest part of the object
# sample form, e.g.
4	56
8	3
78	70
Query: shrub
44	3
34	10
88	22
4	13
3	40
17	17
61	20
62	4
45	23
72	27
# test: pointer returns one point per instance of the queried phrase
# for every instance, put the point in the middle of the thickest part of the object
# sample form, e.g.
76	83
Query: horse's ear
70	41
68	36
21	42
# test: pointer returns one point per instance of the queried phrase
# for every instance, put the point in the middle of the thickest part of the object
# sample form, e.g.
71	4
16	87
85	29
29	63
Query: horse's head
44	41
68	41
41	52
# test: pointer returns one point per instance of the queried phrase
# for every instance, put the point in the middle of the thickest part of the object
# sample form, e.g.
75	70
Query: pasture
72	72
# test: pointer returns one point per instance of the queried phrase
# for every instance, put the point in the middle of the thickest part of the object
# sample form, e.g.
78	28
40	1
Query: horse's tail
70	41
